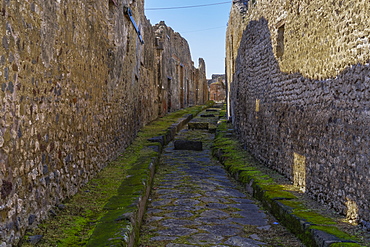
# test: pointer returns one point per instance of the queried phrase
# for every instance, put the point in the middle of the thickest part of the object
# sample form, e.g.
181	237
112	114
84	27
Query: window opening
280	42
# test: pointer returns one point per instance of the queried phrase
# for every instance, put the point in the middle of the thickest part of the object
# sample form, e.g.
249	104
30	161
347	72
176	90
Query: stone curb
125	211
285	206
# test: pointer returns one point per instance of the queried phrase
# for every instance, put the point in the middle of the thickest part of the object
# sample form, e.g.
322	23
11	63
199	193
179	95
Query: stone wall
300	87
76	86
176	71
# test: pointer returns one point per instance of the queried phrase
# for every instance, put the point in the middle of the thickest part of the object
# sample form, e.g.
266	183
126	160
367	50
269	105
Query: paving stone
215	214
163	238
188	195
217	206
246	207
176	223
167	186
242	200
218	170
187	202
250	221
222	230
170	196
217	193
154	211
166	191
212	220
251	213
266	228
177	231
203	160
184	208
255	237
234	193
179	245
180	214
189	191
160	202
205	238
209	199
243	242
223	183
154	218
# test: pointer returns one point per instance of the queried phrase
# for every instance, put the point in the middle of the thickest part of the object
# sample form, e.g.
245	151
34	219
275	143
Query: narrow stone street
195	203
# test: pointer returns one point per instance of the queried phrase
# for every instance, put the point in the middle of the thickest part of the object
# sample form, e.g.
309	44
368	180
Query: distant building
215	78
217	88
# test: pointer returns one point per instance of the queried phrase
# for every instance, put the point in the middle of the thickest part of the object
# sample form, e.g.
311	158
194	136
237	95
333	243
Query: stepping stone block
207	115
188	145
211	110
159	139
198	125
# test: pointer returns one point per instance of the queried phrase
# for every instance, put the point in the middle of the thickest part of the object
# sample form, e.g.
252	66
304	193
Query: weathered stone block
198	125
188	145
207	115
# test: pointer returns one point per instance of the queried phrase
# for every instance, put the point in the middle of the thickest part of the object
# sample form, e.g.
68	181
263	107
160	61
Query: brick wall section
76	86
308	107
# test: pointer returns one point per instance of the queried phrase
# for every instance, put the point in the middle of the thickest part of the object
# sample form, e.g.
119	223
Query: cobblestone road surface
195	203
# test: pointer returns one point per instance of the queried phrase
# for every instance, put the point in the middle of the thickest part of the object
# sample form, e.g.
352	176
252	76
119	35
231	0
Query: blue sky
203	27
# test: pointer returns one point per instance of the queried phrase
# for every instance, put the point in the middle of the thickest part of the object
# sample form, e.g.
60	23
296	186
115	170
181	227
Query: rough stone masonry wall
76	86
179	82
300	91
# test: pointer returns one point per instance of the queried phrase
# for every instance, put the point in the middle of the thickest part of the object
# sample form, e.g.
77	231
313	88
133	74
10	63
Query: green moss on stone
345	245
333	231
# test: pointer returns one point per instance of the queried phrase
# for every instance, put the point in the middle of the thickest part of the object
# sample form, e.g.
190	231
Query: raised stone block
207	115
188	145
159	139
198	125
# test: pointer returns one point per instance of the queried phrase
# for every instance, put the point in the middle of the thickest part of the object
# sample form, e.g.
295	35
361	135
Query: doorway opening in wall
187	92
182	86
280	42
299	171
169	94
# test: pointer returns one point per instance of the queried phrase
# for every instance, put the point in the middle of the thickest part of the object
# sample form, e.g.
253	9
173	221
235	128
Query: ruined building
299	79
78	80
180	83
217	87
217	90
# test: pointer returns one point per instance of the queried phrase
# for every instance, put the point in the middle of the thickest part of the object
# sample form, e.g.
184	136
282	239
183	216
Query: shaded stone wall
76	86
300	87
